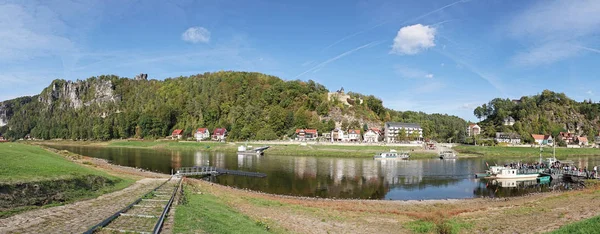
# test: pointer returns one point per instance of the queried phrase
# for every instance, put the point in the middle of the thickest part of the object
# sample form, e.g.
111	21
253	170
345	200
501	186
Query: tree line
249	105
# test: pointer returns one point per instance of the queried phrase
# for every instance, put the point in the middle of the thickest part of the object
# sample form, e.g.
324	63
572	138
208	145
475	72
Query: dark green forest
249	105
545	113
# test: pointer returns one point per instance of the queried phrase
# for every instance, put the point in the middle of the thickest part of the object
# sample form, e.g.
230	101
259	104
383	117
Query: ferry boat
392	155
510	173
448	154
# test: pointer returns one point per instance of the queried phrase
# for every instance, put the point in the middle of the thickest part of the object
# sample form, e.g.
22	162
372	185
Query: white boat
249	150
392	155
448	154
509	173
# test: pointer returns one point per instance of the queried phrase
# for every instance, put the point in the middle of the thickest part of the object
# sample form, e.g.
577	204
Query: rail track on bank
145	215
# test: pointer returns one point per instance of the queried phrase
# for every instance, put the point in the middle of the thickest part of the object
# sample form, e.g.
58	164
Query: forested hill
249	105
545	113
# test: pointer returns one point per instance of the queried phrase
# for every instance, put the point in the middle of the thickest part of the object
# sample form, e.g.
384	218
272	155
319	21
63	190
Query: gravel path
79	216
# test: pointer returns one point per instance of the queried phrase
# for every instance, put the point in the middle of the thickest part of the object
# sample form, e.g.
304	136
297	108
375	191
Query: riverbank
55	179
291	149
284	214
75	215
524	152
210	208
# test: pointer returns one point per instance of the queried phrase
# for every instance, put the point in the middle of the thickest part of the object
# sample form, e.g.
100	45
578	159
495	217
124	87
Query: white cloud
409	72
413	39
590	92
555	30
196	35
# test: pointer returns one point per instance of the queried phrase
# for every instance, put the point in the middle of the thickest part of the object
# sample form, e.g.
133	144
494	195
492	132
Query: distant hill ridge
545	113
250	105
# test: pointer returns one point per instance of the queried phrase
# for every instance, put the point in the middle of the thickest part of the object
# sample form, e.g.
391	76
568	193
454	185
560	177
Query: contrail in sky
385	22
588	49
323	64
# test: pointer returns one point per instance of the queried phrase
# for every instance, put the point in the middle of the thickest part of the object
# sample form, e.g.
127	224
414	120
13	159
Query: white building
372	135
393	128
509	138
473	130
353	135
338	135
509	121
201	134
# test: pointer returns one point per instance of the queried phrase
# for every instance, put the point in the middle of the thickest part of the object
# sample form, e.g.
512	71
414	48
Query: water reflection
335	177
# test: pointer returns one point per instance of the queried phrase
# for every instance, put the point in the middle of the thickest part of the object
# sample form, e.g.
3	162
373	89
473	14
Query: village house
338	135
567	137
219	134
473	130
509	138
306	134
202	134
353	135
372	135
2	139
597	139
542	139
177	134
582	141
393	128
509	121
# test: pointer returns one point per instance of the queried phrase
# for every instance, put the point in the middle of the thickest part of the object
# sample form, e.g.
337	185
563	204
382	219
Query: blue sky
433	56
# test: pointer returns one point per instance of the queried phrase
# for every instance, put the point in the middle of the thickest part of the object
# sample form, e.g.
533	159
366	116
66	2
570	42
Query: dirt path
79	216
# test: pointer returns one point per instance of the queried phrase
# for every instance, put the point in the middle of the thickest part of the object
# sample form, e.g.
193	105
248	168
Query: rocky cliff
69	94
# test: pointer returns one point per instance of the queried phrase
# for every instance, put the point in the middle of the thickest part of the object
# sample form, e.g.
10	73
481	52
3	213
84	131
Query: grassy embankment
59	180
582	227
292	149
500	151
218	209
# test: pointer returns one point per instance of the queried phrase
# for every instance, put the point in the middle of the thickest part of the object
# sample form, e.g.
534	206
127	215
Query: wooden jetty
213	171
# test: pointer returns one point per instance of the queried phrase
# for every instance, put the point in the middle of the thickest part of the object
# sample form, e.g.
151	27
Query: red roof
375	130
311	131
177	132
582	139
201	130
354	131
540	137
219	131
471	125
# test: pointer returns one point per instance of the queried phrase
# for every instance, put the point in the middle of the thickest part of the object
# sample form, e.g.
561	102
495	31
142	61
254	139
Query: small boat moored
393	154
249	150
448	154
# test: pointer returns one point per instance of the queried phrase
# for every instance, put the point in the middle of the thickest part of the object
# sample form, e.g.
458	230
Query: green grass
292	149
31	164
420	226
25	163
500	151
207	213
582	227
446	226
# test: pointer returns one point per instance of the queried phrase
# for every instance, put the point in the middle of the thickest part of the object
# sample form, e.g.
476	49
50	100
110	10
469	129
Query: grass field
587	226
292	149
54	174
25	163
499	151
206	213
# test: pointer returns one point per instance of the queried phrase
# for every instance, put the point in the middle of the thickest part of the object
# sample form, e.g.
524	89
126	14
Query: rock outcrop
69	94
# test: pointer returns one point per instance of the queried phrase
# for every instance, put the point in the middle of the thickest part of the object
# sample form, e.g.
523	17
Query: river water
351	178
